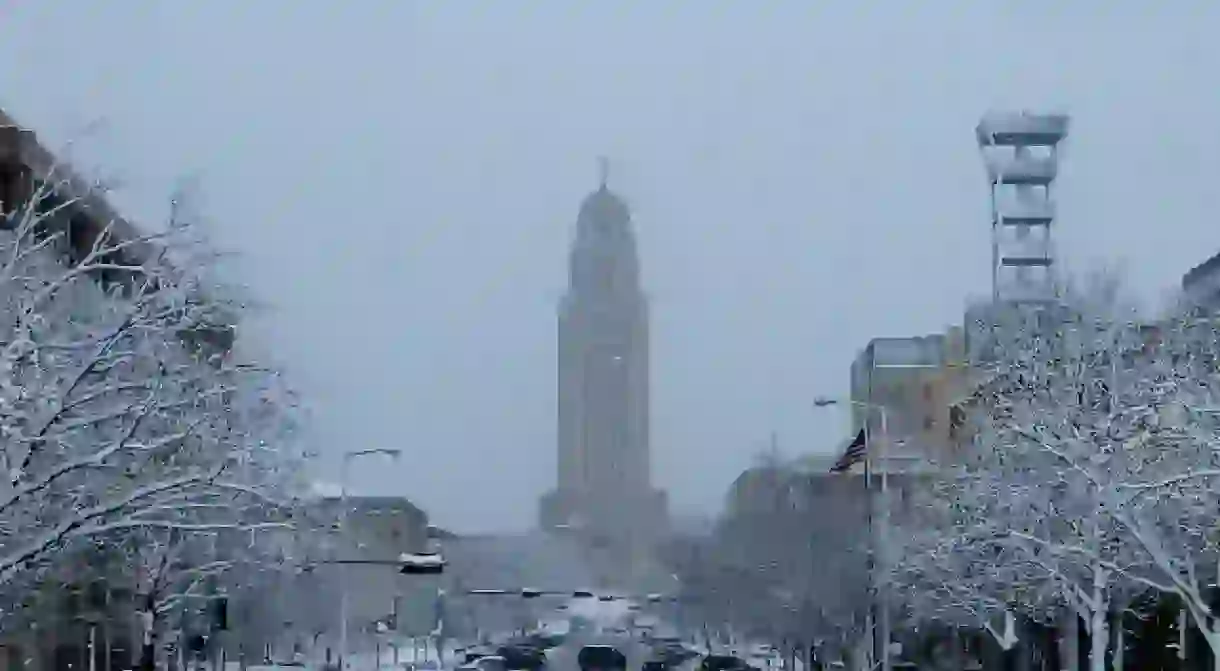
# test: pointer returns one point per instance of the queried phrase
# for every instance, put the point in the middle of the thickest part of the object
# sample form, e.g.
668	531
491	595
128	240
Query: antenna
603	171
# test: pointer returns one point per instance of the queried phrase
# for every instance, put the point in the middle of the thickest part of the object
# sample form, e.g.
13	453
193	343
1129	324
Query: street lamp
883	550
348	457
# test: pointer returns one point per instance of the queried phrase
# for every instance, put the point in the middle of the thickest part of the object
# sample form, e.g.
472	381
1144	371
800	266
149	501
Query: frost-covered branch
1093	463
78	522
129	425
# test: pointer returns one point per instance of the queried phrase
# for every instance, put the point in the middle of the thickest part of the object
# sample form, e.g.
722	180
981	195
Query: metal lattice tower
1021	154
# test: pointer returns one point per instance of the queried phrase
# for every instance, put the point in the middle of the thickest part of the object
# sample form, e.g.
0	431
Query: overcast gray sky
403	178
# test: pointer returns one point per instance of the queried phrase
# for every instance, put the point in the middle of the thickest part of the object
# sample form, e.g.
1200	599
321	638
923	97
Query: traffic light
220	614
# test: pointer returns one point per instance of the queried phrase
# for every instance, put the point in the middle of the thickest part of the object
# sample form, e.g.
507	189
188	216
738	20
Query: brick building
83	601
70	608
914	382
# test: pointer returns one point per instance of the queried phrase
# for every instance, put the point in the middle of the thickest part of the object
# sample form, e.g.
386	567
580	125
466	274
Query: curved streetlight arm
826	401
388	451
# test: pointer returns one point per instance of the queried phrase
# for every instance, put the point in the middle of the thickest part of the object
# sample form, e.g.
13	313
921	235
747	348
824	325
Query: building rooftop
1201	271
20	147
327	493
1022	128
907	352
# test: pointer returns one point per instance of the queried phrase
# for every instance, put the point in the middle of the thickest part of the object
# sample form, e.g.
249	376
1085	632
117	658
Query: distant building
1201	284
72	205
914	382
298	607
380	528
762	489
792	526
604	486
510	562
1021	154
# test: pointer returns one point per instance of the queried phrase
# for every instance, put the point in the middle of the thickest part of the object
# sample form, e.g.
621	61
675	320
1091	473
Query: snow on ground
555	626
601	614
419	652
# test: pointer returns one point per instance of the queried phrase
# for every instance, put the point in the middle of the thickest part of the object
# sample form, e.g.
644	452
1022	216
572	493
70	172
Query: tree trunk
1099	620
1213	643
148	634
1025	649
1119	643
1099	635
1069	640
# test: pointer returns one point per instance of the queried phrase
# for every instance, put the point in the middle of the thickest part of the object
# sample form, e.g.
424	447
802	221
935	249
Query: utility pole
394	632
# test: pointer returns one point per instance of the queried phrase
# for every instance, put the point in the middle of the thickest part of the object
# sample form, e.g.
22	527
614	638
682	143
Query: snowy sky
402	179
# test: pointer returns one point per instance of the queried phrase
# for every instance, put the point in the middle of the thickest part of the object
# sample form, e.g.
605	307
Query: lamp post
679	620
348	457
883	545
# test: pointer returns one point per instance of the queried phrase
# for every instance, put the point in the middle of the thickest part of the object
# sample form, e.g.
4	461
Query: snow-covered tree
1087	479
789	559
127	421
950	568
236	536
1054	418
1166	387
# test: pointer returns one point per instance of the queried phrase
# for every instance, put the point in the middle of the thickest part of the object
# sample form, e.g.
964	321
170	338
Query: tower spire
603	172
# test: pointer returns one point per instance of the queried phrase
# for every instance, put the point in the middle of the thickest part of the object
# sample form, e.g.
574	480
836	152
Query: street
563	658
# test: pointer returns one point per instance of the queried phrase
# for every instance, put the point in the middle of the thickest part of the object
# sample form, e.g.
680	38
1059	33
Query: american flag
853	455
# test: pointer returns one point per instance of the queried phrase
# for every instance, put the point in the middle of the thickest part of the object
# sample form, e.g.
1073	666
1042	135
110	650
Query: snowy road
563	658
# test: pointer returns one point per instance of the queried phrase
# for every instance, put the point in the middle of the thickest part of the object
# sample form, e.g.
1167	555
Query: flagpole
880	536
871	621
886	662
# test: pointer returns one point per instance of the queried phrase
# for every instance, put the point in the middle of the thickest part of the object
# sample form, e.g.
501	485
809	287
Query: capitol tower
604	493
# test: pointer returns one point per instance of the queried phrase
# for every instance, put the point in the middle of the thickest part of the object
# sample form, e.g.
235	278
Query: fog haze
402	180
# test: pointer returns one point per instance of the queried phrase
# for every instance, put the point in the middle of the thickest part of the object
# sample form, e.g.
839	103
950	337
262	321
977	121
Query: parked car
472	655
522	657
488	663
723	663
601	658
549	640
672	653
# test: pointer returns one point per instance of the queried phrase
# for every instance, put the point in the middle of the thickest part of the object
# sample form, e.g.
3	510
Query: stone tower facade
604	491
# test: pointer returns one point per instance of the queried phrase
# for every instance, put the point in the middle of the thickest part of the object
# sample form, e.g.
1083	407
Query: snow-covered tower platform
1021	153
